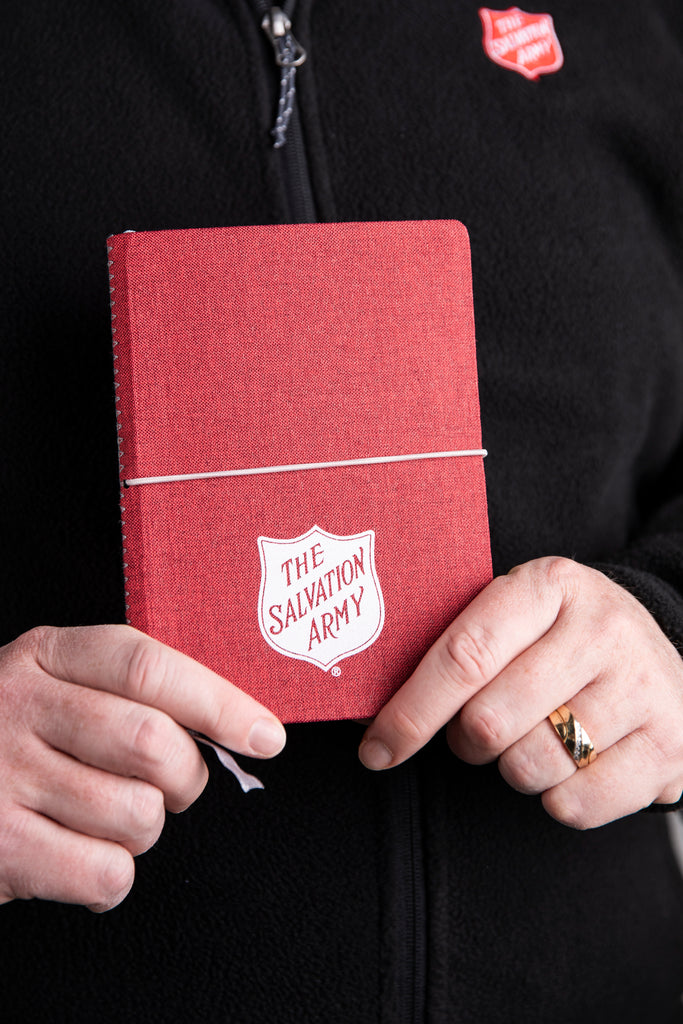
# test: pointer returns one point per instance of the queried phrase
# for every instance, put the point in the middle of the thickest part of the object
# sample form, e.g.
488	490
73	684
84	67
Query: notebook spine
119	432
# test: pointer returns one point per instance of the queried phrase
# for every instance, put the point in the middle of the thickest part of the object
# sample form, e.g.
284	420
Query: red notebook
302	483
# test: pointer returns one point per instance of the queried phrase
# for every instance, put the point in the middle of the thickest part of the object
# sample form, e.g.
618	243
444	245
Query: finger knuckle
114	878
191	788
472	655
483	728
520	770
148	670
18	862
146	819
408	725
146	808
18	884
13	833
567	811
561	573
671	794
154	743
37	644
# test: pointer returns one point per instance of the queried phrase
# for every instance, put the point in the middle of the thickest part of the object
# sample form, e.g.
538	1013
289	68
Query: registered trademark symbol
336	671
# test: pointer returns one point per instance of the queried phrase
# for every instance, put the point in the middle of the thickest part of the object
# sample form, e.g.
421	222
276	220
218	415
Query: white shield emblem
320	599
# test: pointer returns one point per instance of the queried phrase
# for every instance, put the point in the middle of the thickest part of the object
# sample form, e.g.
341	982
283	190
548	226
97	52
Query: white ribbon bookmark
246	781
253	471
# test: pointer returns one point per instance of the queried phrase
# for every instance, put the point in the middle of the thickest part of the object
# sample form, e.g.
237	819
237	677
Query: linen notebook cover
245	356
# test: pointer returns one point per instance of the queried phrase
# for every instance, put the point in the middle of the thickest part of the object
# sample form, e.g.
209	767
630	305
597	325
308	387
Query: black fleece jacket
433	892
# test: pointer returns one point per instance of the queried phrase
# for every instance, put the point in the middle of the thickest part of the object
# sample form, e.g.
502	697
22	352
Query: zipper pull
289	55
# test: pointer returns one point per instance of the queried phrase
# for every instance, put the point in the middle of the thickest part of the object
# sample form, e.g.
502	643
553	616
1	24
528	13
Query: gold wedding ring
573	735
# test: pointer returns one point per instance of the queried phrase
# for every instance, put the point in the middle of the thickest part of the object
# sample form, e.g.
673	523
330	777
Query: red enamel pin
523	42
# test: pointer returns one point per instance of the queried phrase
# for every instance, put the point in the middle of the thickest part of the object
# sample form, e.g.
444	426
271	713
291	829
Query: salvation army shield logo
523	42
320	599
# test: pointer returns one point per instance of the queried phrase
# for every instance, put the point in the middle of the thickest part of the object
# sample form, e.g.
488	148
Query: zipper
289	55
408	977
404	984
414	949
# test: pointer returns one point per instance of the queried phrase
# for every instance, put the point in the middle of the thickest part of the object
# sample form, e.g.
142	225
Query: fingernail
267	737
375	755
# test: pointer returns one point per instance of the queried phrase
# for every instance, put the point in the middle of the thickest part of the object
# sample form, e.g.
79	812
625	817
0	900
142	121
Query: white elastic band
303	465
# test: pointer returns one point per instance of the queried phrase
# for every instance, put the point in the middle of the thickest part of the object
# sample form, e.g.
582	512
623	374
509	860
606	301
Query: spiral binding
112	304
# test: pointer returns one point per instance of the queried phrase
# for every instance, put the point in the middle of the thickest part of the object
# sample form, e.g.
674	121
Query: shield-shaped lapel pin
523	42
320	599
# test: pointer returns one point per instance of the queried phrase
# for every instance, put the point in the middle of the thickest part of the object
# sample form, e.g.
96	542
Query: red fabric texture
259	346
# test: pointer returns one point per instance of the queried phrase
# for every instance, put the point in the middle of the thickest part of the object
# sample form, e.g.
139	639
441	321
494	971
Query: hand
91	754
551	632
